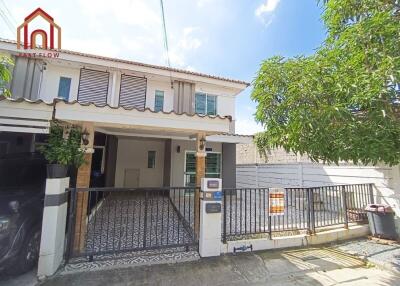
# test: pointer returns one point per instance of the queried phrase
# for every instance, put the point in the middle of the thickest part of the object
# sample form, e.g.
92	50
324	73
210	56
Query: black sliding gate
106	223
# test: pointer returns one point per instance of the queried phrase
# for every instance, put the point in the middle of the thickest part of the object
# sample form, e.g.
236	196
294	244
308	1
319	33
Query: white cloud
268	7
92	46
247	126
265	11
201	3
144	14
183	46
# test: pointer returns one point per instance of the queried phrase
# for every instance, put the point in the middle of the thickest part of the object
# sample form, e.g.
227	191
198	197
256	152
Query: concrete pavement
310	266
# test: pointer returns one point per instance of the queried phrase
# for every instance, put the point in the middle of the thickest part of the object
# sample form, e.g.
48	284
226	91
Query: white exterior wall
385	178
225	99
178	159
132	154
52	74
51	78
152	86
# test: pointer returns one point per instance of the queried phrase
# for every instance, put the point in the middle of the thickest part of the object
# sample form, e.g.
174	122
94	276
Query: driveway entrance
124	220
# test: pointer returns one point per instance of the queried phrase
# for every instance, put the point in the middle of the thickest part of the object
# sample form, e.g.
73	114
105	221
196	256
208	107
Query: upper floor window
205	103
63	88
159	101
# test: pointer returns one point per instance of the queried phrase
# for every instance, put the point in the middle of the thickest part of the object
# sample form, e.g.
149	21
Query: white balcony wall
152	86
52	74
225	98
51	78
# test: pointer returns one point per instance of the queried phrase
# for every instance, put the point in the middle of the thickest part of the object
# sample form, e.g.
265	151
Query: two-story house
146	120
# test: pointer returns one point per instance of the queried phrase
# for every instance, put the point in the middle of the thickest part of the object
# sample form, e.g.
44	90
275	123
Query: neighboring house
146	118
249	154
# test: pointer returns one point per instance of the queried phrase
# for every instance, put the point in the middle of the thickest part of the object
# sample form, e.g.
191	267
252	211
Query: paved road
312	266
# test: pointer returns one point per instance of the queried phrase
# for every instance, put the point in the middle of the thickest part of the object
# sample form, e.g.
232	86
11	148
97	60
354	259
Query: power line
166	41
165	32
9	25
9	14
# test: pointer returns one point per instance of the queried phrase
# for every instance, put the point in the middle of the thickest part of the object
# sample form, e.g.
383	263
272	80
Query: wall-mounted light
85	137
202	143
178	149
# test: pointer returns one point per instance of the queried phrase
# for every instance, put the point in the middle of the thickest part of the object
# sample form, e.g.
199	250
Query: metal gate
107	223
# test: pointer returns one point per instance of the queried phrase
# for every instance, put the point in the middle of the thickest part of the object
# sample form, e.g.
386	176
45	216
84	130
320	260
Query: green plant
64	147
5	74
343	102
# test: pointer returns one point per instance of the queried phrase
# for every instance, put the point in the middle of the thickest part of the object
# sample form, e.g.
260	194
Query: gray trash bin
381	221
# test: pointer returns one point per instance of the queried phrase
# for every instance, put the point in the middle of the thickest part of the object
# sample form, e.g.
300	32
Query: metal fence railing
105	222
246	210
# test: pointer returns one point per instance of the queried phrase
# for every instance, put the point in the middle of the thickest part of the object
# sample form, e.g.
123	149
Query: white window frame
207	152
155	97
206	105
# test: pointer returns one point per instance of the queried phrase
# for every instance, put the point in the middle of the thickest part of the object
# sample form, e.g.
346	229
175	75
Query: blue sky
221	37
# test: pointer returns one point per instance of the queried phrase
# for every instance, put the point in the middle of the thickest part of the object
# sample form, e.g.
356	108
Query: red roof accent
39	10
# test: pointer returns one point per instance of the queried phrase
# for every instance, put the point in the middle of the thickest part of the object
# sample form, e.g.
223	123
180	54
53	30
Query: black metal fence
111	221
246	210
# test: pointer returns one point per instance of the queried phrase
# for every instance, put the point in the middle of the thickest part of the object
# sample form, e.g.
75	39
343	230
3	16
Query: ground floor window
213	167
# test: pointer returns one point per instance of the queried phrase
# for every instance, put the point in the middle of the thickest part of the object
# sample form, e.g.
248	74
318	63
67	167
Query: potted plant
63	150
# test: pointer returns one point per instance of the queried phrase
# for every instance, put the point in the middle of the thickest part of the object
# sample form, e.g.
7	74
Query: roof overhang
22	115
140	68
25	116
109	117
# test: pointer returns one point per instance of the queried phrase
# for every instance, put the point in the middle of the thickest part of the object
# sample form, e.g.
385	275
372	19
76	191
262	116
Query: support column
83	181
200	173
53	227
210	218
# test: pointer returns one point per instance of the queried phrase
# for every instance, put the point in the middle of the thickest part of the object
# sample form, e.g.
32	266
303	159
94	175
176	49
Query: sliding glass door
213	167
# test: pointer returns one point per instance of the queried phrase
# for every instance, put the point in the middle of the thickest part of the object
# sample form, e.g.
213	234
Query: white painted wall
51	78
178	159
132	154
152	86
225	98
385	178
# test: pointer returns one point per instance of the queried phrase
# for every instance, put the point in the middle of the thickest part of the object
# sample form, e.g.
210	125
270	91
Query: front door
131	179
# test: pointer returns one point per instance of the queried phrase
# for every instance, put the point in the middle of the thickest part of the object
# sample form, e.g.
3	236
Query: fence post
371	193
146	198
344	205
53	227
224	218
311	216
269	216
71	224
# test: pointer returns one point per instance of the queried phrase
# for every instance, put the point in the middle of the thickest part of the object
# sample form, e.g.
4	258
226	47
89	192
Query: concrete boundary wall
323	237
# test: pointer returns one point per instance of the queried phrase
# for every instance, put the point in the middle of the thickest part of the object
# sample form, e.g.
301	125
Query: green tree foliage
343	102
5	74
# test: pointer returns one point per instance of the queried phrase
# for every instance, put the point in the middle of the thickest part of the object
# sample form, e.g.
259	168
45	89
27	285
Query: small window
159	101
151	159
211	105
205	103
64	87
